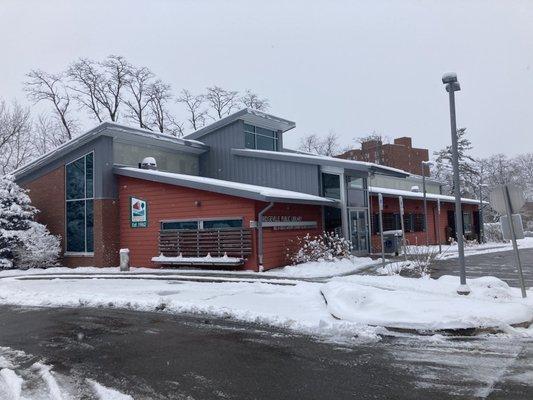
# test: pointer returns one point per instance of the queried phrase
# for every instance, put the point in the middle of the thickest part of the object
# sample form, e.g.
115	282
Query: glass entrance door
359	230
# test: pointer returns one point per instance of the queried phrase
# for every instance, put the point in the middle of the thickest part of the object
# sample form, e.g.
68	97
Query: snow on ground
451	251
318	269
321	269
10	384
105	393
426	304
299	306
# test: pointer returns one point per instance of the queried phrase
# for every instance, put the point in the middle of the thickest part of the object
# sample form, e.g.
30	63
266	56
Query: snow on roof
103	128
255	192
322	160
420	195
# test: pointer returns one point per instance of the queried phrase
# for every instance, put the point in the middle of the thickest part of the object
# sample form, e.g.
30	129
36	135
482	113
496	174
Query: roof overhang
250	116
121	133
420	195
304	158
253	192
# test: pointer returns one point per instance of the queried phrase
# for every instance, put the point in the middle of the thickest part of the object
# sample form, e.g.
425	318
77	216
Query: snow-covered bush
324	247
493	232
23	241
420	259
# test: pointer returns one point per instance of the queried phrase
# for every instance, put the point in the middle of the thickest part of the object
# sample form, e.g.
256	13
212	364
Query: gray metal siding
219	163
103	166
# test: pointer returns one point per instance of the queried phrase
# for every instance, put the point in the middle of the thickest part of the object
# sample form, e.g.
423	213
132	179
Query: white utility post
402	224
438	226
380	201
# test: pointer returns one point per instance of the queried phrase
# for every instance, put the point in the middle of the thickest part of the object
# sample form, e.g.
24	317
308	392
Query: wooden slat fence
198	243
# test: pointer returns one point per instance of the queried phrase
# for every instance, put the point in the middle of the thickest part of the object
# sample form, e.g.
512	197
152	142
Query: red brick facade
400	154
168	202
47	193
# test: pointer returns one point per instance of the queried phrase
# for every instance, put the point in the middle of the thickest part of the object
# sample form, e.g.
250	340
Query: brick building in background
400	154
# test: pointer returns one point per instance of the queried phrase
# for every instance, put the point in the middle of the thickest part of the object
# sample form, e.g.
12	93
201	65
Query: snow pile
10	383
426	304
322	269
451	251
105	393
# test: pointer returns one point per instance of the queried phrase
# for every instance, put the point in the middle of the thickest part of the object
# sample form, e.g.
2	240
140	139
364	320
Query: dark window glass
418	222
331	186
76	179
265	132
89	176
249	140
76	226
179	225
223	224
249	128
357	198
89	224
389	222
265	143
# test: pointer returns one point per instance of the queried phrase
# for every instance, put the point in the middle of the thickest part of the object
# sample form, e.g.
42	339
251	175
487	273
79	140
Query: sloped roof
420	195
250	116
307	158
262	193
118	131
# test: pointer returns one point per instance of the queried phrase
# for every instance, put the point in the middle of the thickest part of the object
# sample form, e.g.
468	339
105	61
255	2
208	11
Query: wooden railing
199	243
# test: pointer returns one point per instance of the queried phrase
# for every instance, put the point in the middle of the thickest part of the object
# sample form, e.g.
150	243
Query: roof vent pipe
148	163
415	189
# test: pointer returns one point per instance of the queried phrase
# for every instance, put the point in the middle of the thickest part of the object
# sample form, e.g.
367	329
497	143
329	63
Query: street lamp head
428	163
453	87
449	77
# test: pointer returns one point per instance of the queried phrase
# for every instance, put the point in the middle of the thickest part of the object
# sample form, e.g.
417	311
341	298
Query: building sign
284	222
138	213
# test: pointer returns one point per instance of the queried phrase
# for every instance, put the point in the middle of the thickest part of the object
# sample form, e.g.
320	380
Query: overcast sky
351	67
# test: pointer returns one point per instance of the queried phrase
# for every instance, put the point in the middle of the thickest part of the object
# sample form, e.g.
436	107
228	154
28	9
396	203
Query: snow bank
426	304
11	383
105	393
451	251
321	269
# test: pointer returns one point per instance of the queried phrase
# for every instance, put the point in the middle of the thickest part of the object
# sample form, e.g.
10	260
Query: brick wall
277	241
47	193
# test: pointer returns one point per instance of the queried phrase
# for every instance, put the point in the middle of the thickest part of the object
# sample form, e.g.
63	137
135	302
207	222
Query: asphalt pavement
500	265
161	356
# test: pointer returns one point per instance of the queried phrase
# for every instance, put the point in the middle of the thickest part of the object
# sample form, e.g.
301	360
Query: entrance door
359	230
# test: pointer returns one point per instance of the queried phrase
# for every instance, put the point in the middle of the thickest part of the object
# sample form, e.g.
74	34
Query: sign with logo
138	213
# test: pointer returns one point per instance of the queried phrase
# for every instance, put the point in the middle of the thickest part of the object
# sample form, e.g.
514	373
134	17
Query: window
207	224
467	222
391	222
79	194
357	194
331	186
260	138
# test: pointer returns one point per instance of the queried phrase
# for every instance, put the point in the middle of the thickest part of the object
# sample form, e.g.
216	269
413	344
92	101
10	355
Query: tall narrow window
79	205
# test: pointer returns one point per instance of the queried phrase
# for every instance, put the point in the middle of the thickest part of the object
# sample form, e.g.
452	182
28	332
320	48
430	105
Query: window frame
255	134
84	253
200	222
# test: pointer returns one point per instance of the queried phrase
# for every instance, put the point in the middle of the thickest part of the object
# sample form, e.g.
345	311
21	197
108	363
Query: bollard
124	259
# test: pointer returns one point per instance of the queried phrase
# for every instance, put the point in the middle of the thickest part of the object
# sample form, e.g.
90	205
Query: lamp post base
463	290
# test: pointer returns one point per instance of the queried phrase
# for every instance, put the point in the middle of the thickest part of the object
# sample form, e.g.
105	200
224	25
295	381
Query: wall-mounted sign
282	222
138	213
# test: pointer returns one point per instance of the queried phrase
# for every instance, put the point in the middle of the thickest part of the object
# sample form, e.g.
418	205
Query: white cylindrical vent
415	189
124	259
148	163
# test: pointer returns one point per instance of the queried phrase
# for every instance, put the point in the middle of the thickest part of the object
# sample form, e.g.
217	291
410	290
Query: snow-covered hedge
493	232
24	243
324	247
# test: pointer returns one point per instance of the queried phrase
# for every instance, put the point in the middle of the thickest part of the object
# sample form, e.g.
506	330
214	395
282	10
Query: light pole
424	164
452	86
481	186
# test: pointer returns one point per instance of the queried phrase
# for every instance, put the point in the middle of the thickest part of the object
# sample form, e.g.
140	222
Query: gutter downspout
260	234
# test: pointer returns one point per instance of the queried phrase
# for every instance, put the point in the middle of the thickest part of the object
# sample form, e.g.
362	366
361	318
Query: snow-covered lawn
357	306
321	269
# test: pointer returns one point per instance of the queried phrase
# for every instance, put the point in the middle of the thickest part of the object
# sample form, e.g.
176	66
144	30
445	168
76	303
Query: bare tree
85	81
42	86
115	77
195	108
221	101
252	100
47	134
326	146
160	94
140	98
16	144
